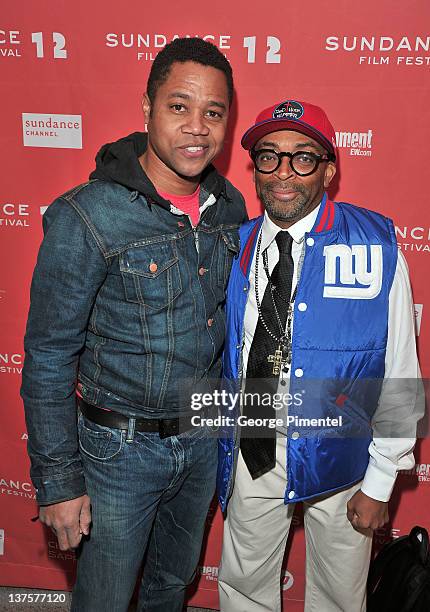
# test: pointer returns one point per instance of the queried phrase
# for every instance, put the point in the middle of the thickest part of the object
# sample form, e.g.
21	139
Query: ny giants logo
356	279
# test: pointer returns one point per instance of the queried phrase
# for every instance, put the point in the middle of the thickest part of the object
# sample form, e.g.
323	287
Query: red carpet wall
86	64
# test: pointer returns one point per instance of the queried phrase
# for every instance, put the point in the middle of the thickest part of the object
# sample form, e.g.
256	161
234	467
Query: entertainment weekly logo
145	46
358	144
415	239
52	131
420	471
372	50
210	572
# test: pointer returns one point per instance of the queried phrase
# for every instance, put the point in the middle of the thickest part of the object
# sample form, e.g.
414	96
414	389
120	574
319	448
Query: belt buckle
168	427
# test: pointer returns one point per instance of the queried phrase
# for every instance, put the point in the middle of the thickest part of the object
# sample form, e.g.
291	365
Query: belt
109	418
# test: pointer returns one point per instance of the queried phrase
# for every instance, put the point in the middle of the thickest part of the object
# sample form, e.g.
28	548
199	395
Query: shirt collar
297	231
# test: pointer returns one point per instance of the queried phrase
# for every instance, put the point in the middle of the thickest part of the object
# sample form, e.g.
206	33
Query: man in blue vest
320	318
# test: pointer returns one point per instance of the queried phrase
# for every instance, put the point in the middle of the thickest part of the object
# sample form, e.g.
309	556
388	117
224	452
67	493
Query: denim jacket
127	302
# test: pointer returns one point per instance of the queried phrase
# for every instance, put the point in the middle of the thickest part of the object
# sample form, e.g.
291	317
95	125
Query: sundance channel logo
52	131
371	50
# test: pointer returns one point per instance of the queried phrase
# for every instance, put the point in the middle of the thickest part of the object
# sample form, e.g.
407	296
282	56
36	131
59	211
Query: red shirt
189	204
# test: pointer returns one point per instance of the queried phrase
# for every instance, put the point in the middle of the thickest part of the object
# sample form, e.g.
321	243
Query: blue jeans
148	496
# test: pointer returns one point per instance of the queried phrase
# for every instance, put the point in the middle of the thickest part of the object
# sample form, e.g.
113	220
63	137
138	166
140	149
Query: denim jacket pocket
151	274
229	247
98	442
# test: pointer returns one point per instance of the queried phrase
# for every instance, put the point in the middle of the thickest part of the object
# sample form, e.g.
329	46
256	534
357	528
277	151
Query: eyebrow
217	104
299	145
183	96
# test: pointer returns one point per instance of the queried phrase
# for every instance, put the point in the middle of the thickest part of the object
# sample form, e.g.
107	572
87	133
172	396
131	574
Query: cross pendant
277	360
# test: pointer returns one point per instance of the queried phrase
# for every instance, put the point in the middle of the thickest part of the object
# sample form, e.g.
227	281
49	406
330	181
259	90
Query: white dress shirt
387	455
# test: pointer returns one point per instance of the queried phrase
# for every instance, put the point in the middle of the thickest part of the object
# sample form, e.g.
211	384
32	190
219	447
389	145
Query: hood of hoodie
118	162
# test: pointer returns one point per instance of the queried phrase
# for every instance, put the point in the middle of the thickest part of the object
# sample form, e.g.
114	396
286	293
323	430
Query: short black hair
187	50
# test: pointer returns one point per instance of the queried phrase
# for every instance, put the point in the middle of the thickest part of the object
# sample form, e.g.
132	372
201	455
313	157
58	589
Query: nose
284	171
195	124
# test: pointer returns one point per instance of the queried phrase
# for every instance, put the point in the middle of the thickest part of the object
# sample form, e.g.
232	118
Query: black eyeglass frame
329	157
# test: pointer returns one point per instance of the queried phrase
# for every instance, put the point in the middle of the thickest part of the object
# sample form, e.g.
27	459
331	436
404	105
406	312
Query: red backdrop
86	63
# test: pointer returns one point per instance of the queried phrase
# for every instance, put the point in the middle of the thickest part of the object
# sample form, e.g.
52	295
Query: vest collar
327	216
325	221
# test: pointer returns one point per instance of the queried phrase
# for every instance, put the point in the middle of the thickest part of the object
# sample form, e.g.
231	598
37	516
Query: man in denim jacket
126	305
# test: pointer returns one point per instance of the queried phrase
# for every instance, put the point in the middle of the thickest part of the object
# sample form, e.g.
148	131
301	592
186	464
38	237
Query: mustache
283	187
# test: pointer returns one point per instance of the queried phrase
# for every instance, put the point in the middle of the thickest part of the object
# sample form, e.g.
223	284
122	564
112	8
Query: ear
146	107
329	173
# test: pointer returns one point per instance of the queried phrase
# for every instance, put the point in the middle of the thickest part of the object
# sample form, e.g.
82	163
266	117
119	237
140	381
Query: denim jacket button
153	267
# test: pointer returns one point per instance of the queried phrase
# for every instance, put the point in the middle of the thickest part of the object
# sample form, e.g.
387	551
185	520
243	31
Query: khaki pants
255	535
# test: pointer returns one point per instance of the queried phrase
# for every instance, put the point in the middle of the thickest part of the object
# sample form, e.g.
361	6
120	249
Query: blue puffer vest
338	347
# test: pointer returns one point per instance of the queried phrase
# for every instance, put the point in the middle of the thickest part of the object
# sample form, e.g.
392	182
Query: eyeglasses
302	163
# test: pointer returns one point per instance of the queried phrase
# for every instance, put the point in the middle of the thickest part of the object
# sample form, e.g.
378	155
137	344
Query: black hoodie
118	162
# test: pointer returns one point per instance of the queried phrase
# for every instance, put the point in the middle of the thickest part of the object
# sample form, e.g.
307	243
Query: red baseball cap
293	115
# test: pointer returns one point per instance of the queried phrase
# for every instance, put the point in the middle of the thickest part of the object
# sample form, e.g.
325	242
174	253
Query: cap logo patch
290	109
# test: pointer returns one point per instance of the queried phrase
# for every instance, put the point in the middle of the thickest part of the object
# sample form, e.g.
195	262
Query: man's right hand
69	520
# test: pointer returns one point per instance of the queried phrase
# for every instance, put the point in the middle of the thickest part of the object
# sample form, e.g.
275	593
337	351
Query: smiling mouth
194	148
193	151
285	194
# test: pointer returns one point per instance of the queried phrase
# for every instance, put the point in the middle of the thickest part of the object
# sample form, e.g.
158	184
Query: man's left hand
364	512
